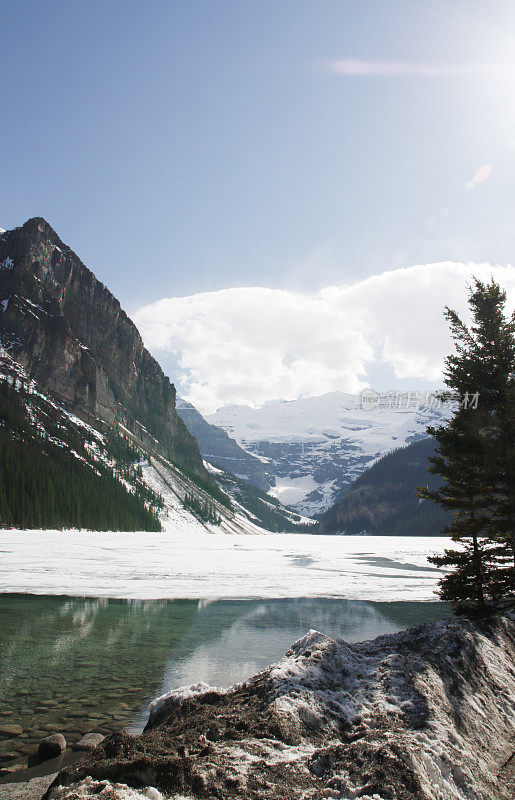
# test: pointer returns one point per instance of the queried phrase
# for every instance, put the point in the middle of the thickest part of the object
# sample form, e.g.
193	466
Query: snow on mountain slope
316	446
162	477
220	450
162	485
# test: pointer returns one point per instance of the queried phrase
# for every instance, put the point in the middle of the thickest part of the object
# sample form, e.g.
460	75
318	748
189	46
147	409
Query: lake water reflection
74	665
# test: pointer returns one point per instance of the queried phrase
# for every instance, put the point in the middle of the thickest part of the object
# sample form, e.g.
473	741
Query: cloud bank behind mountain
252	345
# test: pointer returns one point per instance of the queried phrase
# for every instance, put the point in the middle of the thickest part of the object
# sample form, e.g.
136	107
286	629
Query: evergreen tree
475	453
203	510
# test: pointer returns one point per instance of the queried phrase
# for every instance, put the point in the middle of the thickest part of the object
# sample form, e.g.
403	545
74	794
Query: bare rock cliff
72	336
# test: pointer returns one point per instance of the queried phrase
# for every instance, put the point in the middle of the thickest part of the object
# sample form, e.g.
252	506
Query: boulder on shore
424	714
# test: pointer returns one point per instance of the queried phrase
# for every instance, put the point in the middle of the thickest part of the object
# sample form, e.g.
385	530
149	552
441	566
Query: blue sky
185	147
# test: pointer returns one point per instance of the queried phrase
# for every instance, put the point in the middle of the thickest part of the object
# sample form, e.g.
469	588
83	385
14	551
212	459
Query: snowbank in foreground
425	714
105	790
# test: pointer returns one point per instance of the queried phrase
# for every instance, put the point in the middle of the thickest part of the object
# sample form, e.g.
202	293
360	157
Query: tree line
50	477
382	500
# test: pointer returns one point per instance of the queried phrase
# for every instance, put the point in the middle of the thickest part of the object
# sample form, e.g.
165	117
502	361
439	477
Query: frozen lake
182	564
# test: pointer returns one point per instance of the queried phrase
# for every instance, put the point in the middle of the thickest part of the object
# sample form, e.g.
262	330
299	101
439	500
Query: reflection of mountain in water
230	640
84	640
79	664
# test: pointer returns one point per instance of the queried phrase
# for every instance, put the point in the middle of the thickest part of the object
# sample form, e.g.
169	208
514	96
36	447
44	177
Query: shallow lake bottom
75	665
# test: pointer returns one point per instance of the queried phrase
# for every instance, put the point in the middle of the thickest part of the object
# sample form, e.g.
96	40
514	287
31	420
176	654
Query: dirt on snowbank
426	714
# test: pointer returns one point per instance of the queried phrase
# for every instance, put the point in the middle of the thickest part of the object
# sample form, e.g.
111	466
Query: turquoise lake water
74	665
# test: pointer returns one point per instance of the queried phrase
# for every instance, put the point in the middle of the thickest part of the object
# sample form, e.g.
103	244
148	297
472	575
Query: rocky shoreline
29	781
424	714
26	790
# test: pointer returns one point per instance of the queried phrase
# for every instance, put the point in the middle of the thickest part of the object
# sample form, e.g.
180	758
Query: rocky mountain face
317	446
382	501
424	714
222	451
72	337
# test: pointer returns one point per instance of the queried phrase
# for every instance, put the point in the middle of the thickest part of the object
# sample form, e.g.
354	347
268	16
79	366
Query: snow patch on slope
290	491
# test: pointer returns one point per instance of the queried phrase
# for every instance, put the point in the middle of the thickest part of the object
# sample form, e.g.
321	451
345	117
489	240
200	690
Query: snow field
187	561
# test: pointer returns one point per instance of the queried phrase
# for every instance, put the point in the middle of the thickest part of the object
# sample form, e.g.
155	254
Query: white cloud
250	345
360	68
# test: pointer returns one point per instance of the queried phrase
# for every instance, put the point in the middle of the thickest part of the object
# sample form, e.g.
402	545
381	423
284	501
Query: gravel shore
27	790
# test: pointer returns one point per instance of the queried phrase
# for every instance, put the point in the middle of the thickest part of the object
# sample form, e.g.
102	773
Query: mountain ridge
221	450
72	336
383	500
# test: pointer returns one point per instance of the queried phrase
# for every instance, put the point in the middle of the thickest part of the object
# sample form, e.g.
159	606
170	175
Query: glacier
316	446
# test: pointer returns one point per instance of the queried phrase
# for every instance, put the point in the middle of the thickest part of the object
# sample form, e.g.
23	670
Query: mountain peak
71	336
33	226
39	222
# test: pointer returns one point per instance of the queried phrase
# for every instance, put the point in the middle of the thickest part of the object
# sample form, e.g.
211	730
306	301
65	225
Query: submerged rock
11	769
25	790
89	741
8	756
425	714
10	731
52	746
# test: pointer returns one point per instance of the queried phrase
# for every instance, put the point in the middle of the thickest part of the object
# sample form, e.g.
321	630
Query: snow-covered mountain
316	446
